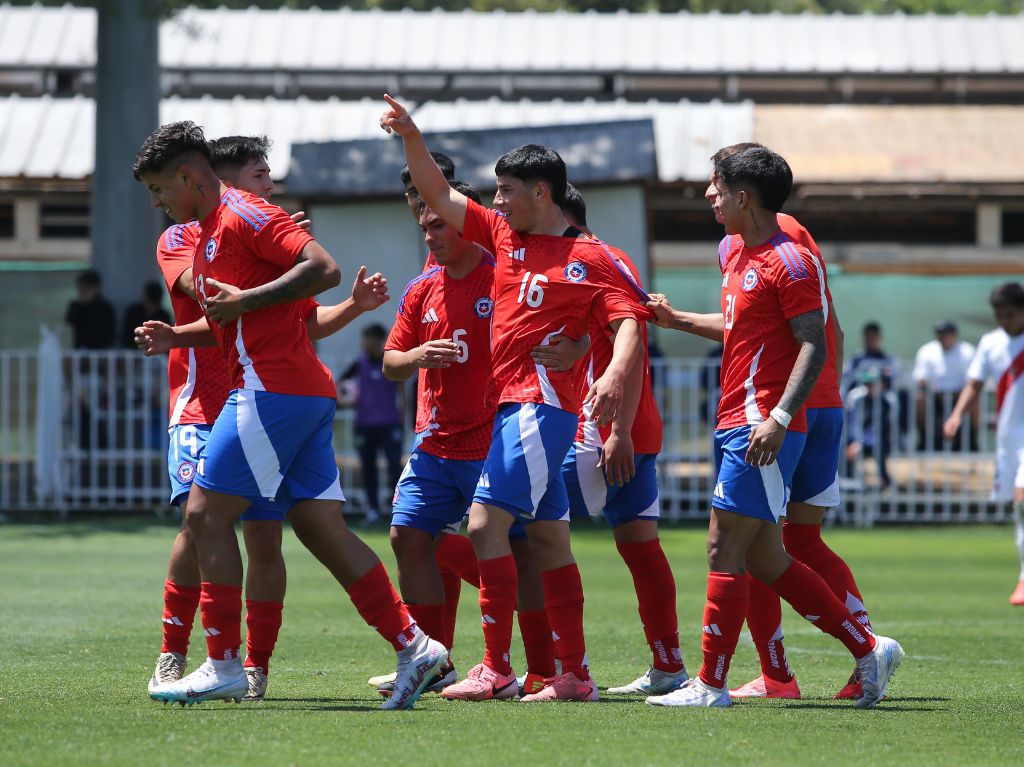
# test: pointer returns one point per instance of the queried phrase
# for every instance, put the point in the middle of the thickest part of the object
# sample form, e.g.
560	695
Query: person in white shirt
1000	358
940	372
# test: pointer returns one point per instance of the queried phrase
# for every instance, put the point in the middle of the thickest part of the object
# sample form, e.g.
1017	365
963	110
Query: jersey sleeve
618	295
404	335
174	253
980	369
484	226
276	238
796	281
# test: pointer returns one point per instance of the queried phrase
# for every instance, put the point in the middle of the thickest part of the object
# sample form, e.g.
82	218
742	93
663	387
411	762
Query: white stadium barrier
85	431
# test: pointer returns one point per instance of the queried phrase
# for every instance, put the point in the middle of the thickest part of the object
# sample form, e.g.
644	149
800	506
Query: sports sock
804	543
563	602
1018	522
538	643
220	607
656	600
430	619
498	583
764	619
455	554
452	585
180	605
723	619
380	606
810	596
263	621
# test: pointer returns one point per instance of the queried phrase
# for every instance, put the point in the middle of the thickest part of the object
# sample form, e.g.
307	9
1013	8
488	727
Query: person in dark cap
940	371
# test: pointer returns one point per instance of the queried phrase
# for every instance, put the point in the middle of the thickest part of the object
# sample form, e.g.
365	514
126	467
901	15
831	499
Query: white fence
85	431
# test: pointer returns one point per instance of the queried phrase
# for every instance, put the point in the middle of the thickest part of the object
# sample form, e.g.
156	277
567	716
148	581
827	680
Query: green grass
79	631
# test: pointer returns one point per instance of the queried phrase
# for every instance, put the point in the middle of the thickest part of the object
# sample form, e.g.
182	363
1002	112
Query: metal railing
86	431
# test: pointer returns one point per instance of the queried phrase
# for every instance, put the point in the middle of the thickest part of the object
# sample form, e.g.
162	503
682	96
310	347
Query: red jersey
762	289
454	417
826	391
247	242
197	378
544	285
647	427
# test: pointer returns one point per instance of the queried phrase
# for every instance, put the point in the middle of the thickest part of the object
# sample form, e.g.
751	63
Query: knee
408	542
263	542
721	559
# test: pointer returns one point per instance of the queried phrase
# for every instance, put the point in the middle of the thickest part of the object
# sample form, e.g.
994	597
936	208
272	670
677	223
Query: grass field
79	631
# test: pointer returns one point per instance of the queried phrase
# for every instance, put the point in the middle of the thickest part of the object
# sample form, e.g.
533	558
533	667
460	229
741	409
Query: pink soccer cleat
565	687
852	690
1017	597
482	683
766	687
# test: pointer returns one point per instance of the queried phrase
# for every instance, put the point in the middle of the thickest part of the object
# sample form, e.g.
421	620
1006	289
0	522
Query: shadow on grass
890	706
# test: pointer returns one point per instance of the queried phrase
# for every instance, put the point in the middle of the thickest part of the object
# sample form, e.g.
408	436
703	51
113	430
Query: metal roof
468	42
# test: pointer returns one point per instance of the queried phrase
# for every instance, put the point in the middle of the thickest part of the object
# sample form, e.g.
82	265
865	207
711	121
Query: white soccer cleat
170	667
257	683
693	693
377	681
418	664
208	682
654	682
876	669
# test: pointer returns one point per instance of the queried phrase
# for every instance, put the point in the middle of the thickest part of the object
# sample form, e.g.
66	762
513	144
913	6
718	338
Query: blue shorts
522	472
434	493
590	494
816	478
185	447
753	491
272	446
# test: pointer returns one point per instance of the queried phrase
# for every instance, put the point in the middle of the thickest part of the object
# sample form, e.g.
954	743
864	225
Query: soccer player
1000	357
773	327
549	278
252	270
198	382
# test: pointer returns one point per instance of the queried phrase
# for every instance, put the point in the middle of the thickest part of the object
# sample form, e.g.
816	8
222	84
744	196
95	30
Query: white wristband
781	416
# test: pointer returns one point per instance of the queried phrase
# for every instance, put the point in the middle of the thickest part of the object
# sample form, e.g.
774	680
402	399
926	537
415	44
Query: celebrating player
773	326
251	272
1000	357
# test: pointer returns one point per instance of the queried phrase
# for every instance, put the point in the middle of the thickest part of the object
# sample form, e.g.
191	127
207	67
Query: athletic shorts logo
483	307
750	279
576	271
186	471
211	249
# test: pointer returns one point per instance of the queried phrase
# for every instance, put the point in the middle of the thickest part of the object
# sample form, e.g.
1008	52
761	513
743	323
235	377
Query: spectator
871	357
378	423
869	424
149	308
940	372
91	316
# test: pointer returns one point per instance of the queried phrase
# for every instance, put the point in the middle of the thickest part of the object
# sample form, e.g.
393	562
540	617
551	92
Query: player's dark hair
871	327
444	162
231	153
167	144
153	291
376	330
90	277
1007	294
574	205
467	189
532	163
729	151
760	170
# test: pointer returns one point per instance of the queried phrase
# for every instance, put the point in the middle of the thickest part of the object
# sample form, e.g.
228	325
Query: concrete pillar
989	225
124	227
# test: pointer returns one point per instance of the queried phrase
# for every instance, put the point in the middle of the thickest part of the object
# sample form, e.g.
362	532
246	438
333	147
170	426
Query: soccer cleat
694	693
1017	597
445	677
170	667
482	683
852	690
257	683
876	669
566	686
417	665
530	683
206	683
766	687
654	682
377	681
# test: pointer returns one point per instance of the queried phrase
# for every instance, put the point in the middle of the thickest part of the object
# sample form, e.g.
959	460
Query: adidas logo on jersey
430	316
519	254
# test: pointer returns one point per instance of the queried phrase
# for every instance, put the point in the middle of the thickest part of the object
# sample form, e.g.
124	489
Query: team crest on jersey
210	251
750	279
576	271
483	307
186	471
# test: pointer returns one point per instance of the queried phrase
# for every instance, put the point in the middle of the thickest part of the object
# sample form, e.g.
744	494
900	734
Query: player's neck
550	222
756	226
464	265
209	190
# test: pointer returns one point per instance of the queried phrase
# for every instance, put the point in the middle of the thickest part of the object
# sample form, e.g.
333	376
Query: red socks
804	542
537	641
723	619
563	602
455	554
452	585
764	619
810	596
498	583
263	621
656	597
430	619
221	610
380	606
180	605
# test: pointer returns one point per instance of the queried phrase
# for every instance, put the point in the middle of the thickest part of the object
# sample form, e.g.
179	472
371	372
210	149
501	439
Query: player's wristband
781	416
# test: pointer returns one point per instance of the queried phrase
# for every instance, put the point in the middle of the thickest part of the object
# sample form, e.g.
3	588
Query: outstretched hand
661	309
369	293
396	118
154	337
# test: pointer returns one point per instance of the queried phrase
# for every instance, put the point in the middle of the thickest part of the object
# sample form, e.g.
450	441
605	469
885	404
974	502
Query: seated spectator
940	371
91	316
151	307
